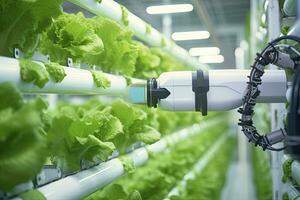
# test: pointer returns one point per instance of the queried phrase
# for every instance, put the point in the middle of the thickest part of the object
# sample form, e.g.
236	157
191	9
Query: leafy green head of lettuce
21	22
135	123
23	144
82	133
71	36
96	41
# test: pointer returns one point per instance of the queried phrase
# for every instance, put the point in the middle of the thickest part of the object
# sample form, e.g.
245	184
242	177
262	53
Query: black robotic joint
154	94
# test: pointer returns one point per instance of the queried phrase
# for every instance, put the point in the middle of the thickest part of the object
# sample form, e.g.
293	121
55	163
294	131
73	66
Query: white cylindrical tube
296	171
76	81
83	183
226	89
289	7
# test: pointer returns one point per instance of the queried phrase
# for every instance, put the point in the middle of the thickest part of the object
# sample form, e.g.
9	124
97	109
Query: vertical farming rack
269	21
51	182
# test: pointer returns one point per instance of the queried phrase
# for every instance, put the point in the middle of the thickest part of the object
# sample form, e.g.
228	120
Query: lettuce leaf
32	194
149	135
130	116
125	16
169	167
56	71
33	72
100	79
135	122
212	178
78	133
96	41
93	148
70	35
23	145
127	163
10	96
261	174
116	192
21	21
120	53
147	62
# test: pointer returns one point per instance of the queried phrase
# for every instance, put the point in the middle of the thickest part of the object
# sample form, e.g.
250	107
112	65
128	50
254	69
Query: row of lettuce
32	135
261	161
163	172
97	42
212	179
262	174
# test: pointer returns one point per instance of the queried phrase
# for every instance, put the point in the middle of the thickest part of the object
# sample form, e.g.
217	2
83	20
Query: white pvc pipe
83	183
76	81
295	168
139	156
80	185
112	10
86	182
289	7
293	193
296	171
295	30
157	147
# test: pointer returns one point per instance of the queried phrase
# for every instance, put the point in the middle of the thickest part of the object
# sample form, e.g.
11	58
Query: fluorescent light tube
211	59
204	51
239	52
190	35
165	9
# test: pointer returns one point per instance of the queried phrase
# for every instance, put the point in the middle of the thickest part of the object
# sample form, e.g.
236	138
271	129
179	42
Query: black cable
252	92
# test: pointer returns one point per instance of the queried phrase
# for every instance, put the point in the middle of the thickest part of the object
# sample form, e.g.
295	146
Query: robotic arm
215	90
222	90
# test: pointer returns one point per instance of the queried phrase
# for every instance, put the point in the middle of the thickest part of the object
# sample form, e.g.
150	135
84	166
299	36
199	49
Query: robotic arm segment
221	90
225	89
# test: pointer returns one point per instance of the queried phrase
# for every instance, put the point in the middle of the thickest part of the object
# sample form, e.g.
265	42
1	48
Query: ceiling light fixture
166	9
204	51
190	35
211	59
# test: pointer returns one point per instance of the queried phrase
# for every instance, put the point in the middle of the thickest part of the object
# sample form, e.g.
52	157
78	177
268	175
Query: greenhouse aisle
239	184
